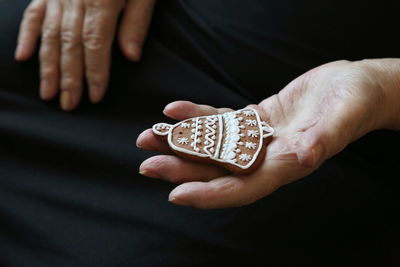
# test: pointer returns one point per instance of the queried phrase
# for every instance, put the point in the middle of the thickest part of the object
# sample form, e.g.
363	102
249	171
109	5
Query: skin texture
315	117
76	38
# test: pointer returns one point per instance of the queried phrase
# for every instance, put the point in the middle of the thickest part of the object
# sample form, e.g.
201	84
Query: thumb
327	137
134	27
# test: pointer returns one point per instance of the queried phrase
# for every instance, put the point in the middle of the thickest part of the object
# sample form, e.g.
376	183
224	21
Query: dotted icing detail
234	137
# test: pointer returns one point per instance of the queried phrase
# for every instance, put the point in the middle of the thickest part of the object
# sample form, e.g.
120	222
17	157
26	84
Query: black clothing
70	192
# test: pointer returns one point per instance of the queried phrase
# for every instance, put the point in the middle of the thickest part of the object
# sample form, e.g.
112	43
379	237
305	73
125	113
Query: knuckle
48	71
33	13
69	39
98	3
50	33
93	41
68	83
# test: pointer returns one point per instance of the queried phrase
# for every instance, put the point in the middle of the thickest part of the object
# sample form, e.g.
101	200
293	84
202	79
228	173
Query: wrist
386	75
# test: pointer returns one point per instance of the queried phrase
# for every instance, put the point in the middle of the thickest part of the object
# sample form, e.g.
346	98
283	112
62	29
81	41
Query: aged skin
314	117
76	39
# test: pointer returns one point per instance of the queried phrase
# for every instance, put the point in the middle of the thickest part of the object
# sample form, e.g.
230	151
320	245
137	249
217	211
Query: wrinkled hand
314	117
76	40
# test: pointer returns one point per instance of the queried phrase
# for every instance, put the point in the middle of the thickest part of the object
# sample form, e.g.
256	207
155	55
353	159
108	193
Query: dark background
70	192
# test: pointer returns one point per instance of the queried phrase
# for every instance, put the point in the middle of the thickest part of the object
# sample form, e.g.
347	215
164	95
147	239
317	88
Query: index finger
181	110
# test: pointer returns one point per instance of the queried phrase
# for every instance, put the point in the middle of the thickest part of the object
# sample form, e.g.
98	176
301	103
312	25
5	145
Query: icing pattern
196	134
251	122
250	145
185	125
248	112
244	157
252	133
233	137
210	135
183	141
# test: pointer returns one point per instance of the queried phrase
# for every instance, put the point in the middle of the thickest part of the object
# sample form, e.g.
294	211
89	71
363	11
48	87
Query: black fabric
70	192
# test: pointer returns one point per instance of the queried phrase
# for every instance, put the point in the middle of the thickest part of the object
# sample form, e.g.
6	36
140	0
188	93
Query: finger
178	170
181	110
98	34
148	141
134	27
50	51
234	191
71	60
30	29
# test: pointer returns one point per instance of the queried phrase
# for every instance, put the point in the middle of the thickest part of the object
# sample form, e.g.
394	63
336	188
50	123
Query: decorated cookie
235	140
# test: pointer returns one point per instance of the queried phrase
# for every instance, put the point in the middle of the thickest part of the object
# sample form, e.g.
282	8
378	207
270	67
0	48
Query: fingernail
149	174
138	143
176	200
167	107
66	100
96	94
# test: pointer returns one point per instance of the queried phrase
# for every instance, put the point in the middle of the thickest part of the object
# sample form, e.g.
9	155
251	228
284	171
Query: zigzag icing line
209	123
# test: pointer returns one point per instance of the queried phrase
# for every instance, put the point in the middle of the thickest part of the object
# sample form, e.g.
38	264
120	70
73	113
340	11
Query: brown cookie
234	140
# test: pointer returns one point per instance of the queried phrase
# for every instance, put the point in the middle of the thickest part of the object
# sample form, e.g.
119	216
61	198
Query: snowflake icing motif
185	125
251	145
244	157
252	133
251	122
248	113
183	141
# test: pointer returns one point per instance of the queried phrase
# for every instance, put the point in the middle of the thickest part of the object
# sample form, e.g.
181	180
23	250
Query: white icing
162	128
252	133
245	157
220	127
250	145
196	135
210	136
231	136
248	112
185	125
183	140
251	122
226	146
267	130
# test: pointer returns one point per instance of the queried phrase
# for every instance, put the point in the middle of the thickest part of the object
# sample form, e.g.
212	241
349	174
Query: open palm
314	118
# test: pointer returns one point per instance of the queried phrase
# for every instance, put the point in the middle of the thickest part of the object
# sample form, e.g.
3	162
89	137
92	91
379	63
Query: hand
314	117
76	41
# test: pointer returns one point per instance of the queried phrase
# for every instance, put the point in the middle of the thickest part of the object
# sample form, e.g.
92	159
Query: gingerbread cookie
234	140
